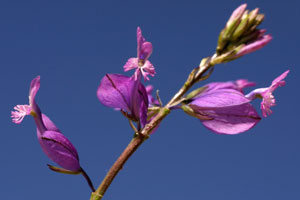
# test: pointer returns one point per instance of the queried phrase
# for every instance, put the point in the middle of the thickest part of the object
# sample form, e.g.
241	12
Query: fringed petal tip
148	69
20	112
267	102
132	63
268	98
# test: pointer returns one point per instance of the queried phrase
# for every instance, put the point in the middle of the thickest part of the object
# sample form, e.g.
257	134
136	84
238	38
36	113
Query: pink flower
266	94
141	63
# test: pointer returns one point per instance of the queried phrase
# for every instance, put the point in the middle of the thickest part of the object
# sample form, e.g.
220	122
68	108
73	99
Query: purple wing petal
145	51
143	104
115	91
219	99
231	120
50	126
59	149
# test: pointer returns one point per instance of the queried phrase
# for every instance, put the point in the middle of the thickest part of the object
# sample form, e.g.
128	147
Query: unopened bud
240	35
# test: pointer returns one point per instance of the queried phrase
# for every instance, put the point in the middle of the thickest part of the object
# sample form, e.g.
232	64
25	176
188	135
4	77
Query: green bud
242	27
252	16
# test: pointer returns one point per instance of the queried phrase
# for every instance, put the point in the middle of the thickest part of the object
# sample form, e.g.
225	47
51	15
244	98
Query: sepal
63	171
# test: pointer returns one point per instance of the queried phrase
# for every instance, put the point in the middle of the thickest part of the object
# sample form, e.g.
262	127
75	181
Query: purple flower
141	63
266	94
55	145
224	111
223	108
126	94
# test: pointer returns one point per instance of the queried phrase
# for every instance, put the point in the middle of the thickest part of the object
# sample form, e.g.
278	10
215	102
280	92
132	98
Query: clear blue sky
72	44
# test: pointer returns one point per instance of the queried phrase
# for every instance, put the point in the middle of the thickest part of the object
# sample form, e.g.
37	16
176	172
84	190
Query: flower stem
196	75
117	166
87	178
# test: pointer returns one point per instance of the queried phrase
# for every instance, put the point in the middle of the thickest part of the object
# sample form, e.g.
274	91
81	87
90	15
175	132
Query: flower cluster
222	107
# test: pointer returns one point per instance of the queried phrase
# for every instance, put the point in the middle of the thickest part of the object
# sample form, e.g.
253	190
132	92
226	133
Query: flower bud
241	32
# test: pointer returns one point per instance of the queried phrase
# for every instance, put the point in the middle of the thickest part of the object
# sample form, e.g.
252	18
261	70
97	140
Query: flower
126	94
141	63
55	145
224	111
266	94
223	108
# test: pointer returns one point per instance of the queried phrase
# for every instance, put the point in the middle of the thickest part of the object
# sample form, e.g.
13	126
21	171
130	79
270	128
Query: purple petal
140	40
115	91
143	105
243	83
50	126
219	85
236	85
145	51
231	120
122	92
219	98
279	80
34	88
59	149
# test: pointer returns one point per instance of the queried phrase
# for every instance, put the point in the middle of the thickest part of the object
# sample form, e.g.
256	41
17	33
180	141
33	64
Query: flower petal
132	63
145	51
122	92
59	149
115	91
219	99
254	46
34	88
231	120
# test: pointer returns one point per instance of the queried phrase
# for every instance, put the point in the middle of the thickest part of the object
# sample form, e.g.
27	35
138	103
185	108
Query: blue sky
72	44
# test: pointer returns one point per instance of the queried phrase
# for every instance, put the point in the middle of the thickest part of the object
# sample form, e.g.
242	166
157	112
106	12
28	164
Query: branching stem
196	75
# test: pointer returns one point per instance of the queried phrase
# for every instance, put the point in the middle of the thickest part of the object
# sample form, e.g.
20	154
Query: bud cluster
241	35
